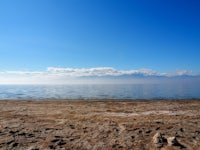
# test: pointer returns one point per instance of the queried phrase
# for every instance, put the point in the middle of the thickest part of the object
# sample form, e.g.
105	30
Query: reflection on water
126	91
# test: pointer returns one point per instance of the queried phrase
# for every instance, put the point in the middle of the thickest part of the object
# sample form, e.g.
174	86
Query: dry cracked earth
100	124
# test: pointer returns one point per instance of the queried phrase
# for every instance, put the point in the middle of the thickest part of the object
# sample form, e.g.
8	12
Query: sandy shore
99	124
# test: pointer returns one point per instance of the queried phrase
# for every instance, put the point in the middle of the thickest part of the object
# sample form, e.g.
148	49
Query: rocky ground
99	124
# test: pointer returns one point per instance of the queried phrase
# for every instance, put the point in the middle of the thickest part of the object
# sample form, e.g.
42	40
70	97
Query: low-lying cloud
55	75
109	71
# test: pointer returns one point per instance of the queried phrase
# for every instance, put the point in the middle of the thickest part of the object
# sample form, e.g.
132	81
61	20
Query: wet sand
99	124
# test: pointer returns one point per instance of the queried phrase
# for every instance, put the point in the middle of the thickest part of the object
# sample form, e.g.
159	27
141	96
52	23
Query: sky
48	38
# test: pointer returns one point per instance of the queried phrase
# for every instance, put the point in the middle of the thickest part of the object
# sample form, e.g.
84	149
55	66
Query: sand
99	124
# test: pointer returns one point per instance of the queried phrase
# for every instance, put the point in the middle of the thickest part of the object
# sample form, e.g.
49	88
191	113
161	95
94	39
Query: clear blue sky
163	35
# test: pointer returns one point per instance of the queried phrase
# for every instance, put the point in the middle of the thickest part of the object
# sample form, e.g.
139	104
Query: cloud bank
98	75
99	71
109	71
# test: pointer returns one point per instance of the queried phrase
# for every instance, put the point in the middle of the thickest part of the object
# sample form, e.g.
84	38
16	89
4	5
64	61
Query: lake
114	91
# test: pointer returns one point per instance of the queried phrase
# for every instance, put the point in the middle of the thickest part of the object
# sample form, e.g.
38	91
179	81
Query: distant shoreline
102	99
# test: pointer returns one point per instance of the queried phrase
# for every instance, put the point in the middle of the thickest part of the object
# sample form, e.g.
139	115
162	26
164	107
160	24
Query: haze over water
97	91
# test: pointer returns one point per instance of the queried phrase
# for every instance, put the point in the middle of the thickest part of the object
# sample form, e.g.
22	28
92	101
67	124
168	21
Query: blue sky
123	34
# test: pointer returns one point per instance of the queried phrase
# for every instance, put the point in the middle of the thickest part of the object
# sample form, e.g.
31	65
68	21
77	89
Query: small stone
157	128
15	144
132	138
51	146
148	131
159	140
72	126
55	140
181	129
62	143
172	141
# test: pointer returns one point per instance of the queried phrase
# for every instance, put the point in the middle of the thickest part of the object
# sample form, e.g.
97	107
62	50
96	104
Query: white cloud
80	72
99	71
55	75
21	72
184	72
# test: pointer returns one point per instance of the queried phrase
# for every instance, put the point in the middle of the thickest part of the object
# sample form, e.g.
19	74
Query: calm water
132	91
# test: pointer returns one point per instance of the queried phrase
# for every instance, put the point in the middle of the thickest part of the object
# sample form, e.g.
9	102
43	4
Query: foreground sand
99	124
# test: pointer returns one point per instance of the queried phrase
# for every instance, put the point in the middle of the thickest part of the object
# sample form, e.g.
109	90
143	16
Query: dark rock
148	131
51	146
140	132
72	126
132	138
71	139
49	129
170	127
61	142
117	146
15	144
10	142
55	140
181	129
198	132
136	129
157	128
13	132
172	141
58	137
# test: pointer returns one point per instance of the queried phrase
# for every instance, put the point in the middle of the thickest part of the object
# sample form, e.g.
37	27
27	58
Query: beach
100	124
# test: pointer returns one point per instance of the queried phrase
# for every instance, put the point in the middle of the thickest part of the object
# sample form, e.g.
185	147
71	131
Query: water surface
121	91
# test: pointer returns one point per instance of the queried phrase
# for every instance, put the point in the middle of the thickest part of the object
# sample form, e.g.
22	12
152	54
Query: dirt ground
99	124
